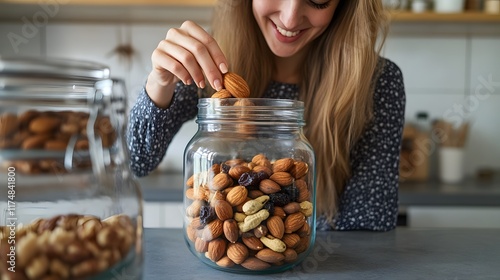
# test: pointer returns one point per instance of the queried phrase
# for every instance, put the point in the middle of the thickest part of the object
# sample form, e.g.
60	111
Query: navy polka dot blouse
370	199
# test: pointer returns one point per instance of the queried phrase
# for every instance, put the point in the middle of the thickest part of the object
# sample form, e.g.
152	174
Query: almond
303	244
236	171
233	162
231	230
304	194
221	181
292	207
253	263
82	144
262	168
283	165
269	186
35	141
291	239
294	222
223	210
269	256
213	230
282	178
243	102
216	249
252	242
26	117
193	210
225	262
299	169
190	193
237	252
275	226
237	195
261	159
253	194
201	245
223	93
190	181
56	145
236	85
279	212
290	255
44	124
305	230
8	124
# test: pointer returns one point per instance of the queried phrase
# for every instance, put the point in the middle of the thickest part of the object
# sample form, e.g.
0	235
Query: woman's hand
187	54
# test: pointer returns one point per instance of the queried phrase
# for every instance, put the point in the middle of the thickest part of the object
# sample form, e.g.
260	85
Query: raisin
248	179
207	214
269	206
261	175
291	191
279	199
224	168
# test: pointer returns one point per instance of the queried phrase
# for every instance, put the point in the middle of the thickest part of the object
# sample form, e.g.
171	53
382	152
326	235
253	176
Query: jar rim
263	110
53	67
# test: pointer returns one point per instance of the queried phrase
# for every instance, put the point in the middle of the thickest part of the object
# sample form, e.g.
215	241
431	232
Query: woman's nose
291	13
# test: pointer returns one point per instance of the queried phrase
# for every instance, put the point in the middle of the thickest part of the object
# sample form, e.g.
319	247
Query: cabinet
466	17
120	2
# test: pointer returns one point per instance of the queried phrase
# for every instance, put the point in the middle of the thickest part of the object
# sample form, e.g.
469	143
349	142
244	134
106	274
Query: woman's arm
370	199
151	129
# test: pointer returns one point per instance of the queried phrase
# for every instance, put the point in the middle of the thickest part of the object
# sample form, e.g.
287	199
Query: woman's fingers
198	52
177	61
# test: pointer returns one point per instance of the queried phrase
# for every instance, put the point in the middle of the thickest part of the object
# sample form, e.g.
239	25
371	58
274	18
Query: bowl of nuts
249	185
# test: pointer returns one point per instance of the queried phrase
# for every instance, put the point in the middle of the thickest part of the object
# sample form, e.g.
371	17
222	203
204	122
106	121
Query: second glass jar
250	186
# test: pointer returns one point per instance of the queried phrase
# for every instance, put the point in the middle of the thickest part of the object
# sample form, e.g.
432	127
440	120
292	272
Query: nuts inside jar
51	131
262	215
69	246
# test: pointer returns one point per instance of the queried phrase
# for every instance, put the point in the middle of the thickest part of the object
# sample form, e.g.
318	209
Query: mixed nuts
68	246
253	214
50	130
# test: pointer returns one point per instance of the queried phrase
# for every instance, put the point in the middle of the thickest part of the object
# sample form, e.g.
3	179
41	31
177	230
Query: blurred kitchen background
448	50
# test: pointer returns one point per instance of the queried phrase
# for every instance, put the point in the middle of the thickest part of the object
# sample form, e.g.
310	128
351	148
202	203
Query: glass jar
250	186
70	208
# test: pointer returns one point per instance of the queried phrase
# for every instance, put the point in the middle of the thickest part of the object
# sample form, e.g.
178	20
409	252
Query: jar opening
255	110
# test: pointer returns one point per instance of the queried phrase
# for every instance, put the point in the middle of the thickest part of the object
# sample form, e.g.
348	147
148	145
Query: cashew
274	244
26	249
38	267
239	217
252	221
252	206
306	208
58	268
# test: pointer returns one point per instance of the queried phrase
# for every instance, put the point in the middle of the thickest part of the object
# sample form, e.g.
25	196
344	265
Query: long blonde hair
337	86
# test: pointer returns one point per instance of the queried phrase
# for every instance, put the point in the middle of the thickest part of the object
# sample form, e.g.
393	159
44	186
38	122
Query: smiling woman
324	53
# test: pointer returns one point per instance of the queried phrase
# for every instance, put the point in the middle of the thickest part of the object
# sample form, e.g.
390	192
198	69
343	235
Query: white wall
442	70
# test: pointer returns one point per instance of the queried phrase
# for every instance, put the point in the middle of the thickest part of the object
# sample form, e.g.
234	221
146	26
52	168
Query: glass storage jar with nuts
69	206
249	185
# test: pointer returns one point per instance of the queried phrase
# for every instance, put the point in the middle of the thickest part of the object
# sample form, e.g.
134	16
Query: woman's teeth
287	33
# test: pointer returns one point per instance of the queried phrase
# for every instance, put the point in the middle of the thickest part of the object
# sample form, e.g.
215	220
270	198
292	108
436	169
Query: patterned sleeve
151	129
370	198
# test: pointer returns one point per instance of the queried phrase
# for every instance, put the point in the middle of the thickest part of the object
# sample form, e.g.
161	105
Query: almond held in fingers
223	93
236	85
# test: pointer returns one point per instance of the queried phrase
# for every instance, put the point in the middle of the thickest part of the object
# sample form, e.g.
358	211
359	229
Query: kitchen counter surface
399	254
168	187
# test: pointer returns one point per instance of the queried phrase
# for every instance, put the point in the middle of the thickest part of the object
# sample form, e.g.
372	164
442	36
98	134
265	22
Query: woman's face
290	25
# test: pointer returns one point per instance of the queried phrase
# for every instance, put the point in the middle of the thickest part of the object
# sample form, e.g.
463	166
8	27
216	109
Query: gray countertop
399	254
168	187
